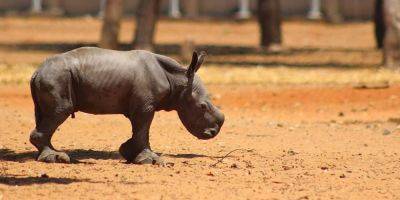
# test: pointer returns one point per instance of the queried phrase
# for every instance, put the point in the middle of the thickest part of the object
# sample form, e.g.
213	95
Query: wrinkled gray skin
133	83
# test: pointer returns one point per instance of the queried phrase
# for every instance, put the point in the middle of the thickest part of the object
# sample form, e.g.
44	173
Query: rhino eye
204	106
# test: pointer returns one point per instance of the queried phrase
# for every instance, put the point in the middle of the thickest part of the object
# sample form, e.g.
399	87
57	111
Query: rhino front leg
137	149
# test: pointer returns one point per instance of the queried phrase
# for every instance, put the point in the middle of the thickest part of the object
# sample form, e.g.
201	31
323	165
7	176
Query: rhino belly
110	99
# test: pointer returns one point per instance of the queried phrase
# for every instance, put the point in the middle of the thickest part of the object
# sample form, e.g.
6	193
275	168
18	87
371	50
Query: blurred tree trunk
111	24
146	19
36	6
55	7
269	19
332	11
391	49
379	23
191	8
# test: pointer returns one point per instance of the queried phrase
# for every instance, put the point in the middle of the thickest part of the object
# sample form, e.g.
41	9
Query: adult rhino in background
133	83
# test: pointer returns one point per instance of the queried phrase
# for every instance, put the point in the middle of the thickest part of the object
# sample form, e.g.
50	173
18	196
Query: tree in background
146	19
111	24
55	7
191	7
391	44
332	11
379	23
269	19
36	6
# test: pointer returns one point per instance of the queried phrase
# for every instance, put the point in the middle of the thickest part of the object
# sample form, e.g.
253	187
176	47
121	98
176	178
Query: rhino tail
72	97
35	100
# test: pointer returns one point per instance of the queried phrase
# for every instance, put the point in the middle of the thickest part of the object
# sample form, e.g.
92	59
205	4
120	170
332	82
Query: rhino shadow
22	181
81	154
76	155
186	155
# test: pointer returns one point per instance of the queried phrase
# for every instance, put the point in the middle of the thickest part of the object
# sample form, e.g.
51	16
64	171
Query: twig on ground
226	155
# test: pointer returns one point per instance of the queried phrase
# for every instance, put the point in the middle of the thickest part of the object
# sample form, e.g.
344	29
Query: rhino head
199	116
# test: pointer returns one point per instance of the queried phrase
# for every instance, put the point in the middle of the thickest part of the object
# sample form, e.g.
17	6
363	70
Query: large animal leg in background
137	149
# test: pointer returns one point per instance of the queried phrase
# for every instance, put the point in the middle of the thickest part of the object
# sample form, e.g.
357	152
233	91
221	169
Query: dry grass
288	76
16	74
320	48
20	74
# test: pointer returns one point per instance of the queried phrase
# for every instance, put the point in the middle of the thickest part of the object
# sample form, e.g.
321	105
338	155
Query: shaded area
224	50
22	181
94	154
17	180
298	64
10	155
82	154
76	155
176	48
186	155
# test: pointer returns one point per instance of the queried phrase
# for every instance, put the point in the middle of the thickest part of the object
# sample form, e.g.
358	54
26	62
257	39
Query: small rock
169	164
342	176
235	166
386	132
185	162
341	114
216	96
324	168
44	175
210	174
291	152
372	85
394	120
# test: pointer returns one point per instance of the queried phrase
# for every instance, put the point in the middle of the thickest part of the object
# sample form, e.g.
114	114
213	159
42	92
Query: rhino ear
200	60
197	60
191	69
195	65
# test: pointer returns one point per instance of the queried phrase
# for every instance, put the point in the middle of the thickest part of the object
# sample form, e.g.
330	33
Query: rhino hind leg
52	110
41	139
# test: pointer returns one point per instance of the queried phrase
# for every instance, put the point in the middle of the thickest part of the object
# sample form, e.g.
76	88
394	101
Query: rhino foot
133	154
148	157
51	156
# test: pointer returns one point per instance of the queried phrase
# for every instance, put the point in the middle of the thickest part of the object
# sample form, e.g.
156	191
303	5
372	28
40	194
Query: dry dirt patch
295	142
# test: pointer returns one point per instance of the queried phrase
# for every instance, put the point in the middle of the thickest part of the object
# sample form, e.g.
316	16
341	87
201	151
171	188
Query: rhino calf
133	83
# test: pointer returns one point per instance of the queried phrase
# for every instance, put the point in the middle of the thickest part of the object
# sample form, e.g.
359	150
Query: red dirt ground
294	143
288	142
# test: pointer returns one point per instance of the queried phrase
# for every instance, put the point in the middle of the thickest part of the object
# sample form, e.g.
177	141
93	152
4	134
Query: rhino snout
212	132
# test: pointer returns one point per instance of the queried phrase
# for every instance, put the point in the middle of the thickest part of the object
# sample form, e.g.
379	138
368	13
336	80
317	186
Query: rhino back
114	82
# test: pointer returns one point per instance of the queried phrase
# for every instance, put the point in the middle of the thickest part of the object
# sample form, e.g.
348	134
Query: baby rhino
133	83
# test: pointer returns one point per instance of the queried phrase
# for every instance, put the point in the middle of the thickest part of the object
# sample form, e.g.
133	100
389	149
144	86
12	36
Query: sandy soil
293	143
315	44
72	30
303	137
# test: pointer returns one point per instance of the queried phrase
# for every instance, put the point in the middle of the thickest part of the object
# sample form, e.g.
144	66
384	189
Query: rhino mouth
208	134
